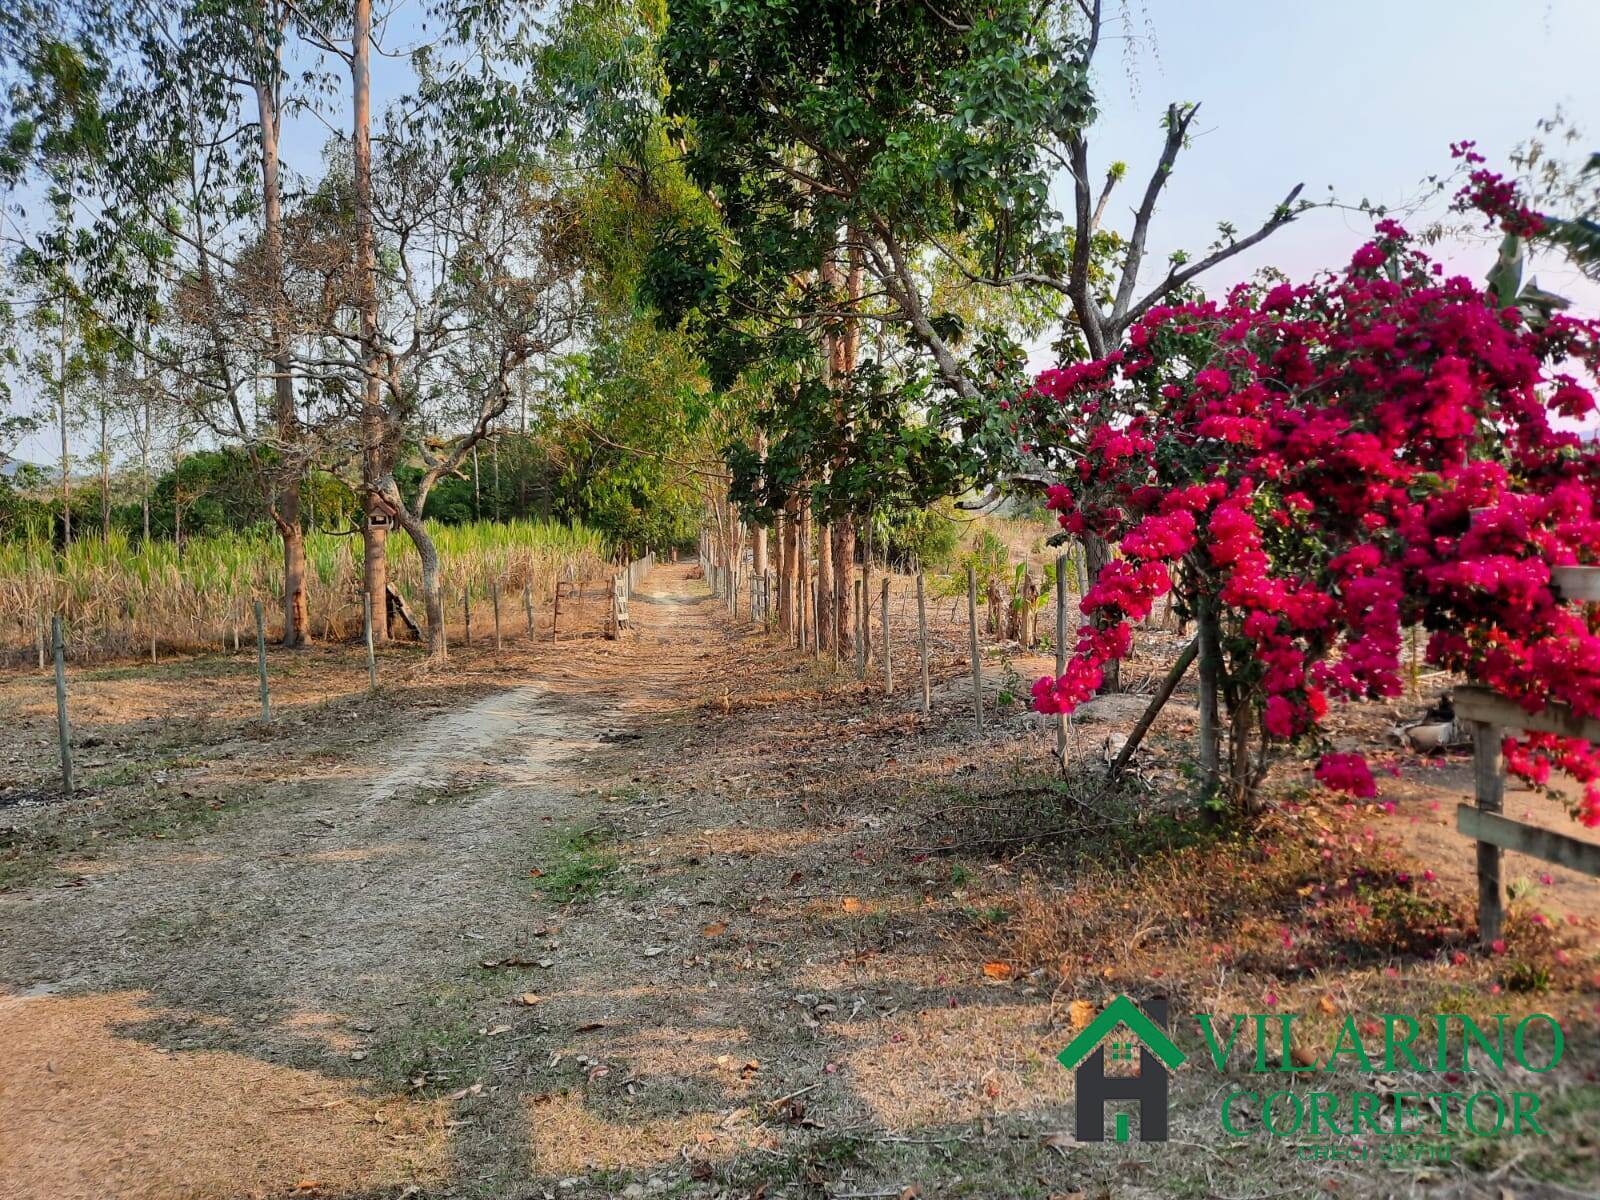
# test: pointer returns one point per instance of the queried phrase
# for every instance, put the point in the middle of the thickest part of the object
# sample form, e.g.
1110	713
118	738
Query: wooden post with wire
888	665
494	599
861	631
466	611
977	662
922	641
372	661
58	645
261	665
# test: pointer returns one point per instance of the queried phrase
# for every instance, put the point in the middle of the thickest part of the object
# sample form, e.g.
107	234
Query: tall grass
115	596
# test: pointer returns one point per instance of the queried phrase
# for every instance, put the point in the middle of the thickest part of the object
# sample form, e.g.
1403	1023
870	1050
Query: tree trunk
296	610
105	479
432	593
1208	634
427	555
826	630
375	556
1241	717
61	398
286	500
844	573
776	597
866	589
789	565
144	469
843	350
1096	554
803	575
758	535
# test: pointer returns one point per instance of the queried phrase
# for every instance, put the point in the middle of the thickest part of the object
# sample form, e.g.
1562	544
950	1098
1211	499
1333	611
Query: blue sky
1362	95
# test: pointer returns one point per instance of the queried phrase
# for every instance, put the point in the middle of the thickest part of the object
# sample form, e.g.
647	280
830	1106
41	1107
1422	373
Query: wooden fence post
888	665
800	603
861	633
58	647
555	611
261	665
38	629
1490	717
922	641
977	663
466	611
1061	654
494	598
366	622
1488	771
527	605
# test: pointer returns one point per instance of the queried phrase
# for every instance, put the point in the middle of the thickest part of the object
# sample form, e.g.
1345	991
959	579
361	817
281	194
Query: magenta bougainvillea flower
1332	462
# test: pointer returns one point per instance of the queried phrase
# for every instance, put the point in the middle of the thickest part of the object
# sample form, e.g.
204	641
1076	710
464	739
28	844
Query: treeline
513	477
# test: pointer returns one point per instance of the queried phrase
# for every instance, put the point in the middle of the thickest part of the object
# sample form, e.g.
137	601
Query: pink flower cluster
1347	773
1494	195
1339	460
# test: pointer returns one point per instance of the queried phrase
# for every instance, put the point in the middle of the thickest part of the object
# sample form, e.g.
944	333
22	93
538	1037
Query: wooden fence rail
1490	716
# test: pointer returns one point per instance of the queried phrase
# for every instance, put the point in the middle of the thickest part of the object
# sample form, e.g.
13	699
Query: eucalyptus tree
929	135
480	277
916	144
819	136
170	116
636	419
347	37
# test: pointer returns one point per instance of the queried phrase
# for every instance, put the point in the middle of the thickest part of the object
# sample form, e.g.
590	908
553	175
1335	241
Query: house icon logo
1157	1056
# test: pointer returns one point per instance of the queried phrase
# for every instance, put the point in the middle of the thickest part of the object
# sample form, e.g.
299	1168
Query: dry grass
94	1107
781	987
117	599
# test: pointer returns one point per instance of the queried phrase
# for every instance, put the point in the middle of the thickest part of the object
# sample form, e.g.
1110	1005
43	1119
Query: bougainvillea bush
1315	467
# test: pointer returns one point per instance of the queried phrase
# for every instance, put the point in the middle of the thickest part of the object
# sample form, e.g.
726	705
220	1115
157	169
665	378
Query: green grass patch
579	868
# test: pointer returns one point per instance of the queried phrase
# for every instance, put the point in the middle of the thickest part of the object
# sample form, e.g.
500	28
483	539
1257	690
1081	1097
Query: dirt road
227	1015
681	915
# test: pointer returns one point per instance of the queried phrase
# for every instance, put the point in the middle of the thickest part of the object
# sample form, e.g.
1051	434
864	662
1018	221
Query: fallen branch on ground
1153	709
